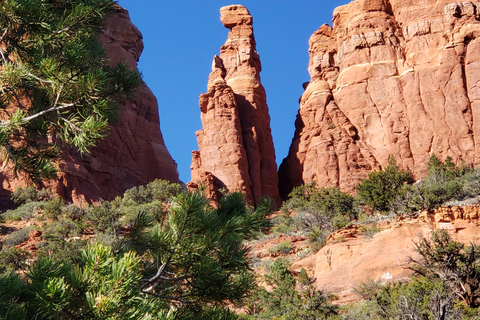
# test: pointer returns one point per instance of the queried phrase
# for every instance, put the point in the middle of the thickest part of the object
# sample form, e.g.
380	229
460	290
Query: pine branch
41	113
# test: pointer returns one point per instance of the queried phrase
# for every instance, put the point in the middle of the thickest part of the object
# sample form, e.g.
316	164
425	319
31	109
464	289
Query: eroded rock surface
391	78
134	152
235	144
351	258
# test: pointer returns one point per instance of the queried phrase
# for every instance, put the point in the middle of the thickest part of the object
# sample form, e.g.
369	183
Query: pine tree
55	84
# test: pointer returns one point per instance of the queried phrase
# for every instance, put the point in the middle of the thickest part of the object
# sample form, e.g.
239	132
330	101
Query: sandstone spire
391	78
235	144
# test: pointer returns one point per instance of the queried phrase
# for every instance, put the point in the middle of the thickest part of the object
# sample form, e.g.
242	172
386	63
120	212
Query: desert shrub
13	259
23	212
63	228
445	182
158	189
18	237
29	194
445	285
105	217
317	238
61	250
53	208
282	248
380	188
73	212
324	208
11	288
369	230
368	289
284	301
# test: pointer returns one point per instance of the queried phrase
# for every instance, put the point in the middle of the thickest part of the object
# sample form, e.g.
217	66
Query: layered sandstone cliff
235	145
134	152
391	78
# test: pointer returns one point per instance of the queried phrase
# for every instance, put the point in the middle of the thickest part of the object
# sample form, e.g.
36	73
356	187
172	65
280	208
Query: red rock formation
391	78
235	144
133	154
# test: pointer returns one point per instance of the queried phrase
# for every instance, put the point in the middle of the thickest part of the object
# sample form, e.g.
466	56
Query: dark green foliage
12	259
30	194
317	238
282	248
105	217
53	208
185	264
17	237
62	228
445	285
159	190
417	299
380	188
445	182
453	263
23	212
285	302
202	247
55	75
12	289
62	250
328	201
323	209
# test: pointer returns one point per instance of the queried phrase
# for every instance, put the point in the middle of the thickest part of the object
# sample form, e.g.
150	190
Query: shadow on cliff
5	201
290	171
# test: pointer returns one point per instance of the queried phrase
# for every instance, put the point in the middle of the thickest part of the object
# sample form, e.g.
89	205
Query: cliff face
235	145
134	152
391	78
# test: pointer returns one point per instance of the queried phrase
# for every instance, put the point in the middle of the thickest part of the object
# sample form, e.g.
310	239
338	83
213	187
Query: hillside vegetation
160	252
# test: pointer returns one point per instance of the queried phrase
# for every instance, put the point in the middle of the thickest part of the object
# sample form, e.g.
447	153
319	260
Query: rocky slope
235	145
379	249
133	154
391	78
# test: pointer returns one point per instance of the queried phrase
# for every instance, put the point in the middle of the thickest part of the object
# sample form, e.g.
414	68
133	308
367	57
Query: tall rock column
235	144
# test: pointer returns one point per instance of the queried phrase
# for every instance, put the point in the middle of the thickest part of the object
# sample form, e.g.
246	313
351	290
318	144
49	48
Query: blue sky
181	38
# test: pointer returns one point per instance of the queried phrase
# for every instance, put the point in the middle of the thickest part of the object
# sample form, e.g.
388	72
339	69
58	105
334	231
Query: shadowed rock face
235	144
391	78
134	152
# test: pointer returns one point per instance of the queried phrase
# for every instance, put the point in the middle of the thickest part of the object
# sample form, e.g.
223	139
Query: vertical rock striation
134	152
391	78
235	144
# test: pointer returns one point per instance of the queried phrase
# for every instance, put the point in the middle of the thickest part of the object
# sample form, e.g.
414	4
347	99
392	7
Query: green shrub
158	189
285	301
53	208
317	238
29	194
380	188
105	217
13	258
444	182
18	237
61	250
325	208
282	248
370	230
24	212
62	229
73	212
